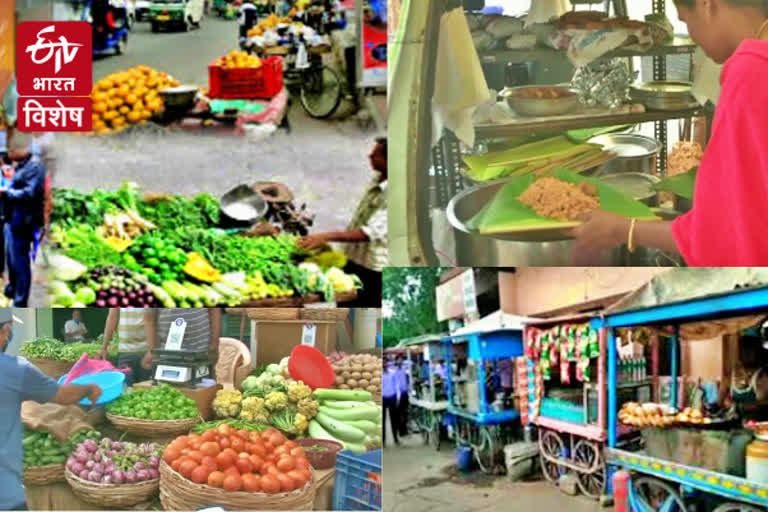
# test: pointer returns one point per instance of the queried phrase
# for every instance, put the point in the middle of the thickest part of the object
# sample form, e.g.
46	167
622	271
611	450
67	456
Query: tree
410	303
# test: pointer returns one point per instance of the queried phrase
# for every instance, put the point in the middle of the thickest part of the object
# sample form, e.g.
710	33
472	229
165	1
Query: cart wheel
551	446
122	45
652	494
733	506
485	452
320	91
592	484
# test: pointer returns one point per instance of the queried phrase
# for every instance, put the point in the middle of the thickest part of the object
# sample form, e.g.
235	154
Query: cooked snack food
683	157
543	93
558	199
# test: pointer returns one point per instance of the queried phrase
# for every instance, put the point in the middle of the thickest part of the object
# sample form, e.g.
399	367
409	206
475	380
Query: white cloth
706	78
543	11
460	84
73	326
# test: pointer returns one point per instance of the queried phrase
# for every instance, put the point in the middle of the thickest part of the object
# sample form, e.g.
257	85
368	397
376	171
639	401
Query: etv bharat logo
63	50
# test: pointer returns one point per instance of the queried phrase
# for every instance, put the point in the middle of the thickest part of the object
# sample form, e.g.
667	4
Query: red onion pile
115	462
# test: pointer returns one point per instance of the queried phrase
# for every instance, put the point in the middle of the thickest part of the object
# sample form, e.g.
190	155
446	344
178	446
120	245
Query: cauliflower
274	369
253	410
300	424
276	401
298	391
227	403
308	407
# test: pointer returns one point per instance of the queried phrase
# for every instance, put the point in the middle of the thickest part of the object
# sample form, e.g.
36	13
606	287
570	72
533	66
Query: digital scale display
174	374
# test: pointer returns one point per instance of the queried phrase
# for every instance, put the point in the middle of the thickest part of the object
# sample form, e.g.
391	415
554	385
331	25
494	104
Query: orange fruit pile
236	60
127	98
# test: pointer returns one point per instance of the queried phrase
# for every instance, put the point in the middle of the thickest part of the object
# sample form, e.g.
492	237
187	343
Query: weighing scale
179	367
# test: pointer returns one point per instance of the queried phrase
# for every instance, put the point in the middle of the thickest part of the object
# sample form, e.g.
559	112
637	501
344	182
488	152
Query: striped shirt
130	330
371	218
197	335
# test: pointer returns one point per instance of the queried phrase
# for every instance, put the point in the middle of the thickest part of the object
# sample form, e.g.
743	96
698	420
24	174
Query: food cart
427	398
566	361
476	413
667	482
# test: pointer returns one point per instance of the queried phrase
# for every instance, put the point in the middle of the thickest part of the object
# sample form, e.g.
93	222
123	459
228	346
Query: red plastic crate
263	82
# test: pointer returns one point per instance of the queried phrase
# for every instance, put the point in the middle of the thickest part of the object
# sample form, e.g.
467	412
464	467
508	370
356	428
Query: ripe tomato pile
240	460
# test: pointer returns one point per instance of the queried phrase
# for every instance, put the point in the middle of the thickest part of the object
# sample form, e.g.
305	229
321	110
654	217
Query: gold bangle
631	237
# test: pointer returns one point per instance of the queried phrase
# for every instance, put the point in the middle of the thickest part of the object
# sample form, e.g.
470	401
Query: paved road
419	479
185	55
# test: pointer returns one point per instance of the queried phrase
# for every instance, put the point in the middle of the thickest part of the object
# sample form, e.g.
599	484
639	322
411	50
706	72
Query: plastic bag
504	26
87	366
482	40
521	42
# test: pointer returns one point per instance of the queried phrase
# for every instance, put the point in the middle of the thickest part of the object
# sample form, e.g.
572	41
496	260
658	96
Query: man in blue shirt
24	197
390	393
21	381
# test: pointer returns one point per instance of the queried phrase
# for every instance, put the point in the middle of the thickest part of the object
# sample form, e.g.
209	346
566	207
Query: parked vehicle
142	10
110	26
182	14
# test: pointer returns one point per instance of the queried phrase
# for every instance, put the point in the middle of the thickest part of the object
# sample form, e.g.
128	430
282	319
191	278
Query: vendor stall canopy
677	286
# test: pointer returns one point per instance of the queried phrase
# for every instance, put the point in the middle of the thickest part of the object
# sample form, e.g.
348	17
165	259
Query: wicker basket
329	314
112	495
321	459
42	475
178	493
153	428
51	368
273	313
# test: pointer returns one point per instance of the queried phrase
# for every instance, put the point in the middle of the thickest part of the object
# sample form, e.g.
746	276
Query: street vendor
131	327
247	17
24	198
726	226
21	381
366	235
202	331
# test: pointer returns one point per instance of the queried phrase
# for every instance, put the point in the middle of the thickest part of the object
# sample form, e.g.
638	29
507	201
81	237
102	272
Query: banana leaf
681	184
585	134
506	214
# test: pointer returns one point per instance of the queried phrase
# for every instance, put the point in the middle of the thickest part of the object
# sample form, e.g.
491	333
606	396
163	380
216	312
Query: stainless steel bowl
179	97
635	153
243	205
664	95
637	185
541	107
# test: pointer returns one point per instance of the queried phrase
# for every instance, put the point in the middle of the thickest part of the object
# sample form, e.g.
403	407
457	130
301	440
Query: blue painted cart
659	484
426	396
474	421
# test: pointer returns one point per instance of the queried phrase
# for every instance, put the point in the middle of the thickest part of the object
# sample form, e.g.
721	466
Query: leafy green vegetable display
162	402
153	236
43	448
82	243
51	348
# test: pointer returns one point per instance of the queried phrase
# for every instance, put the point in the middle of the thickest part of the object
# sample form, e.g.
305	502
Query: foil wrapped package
604	83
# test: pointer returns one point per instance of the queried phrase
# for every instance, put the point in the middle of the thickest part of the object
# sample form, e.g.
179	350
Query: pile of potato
658	415
359	371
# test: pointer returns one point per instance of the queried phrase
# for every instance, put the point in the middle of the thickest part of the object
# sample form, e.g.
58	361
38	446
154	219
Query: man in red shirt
726	226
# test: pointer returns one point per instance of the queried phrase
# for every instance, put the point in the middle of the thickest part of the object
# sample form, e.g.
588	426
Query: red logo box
54	114
54	58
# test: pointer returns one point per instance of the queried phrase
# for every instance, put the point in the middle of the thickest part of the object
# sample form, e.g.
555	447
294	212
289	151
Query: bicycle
319	86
